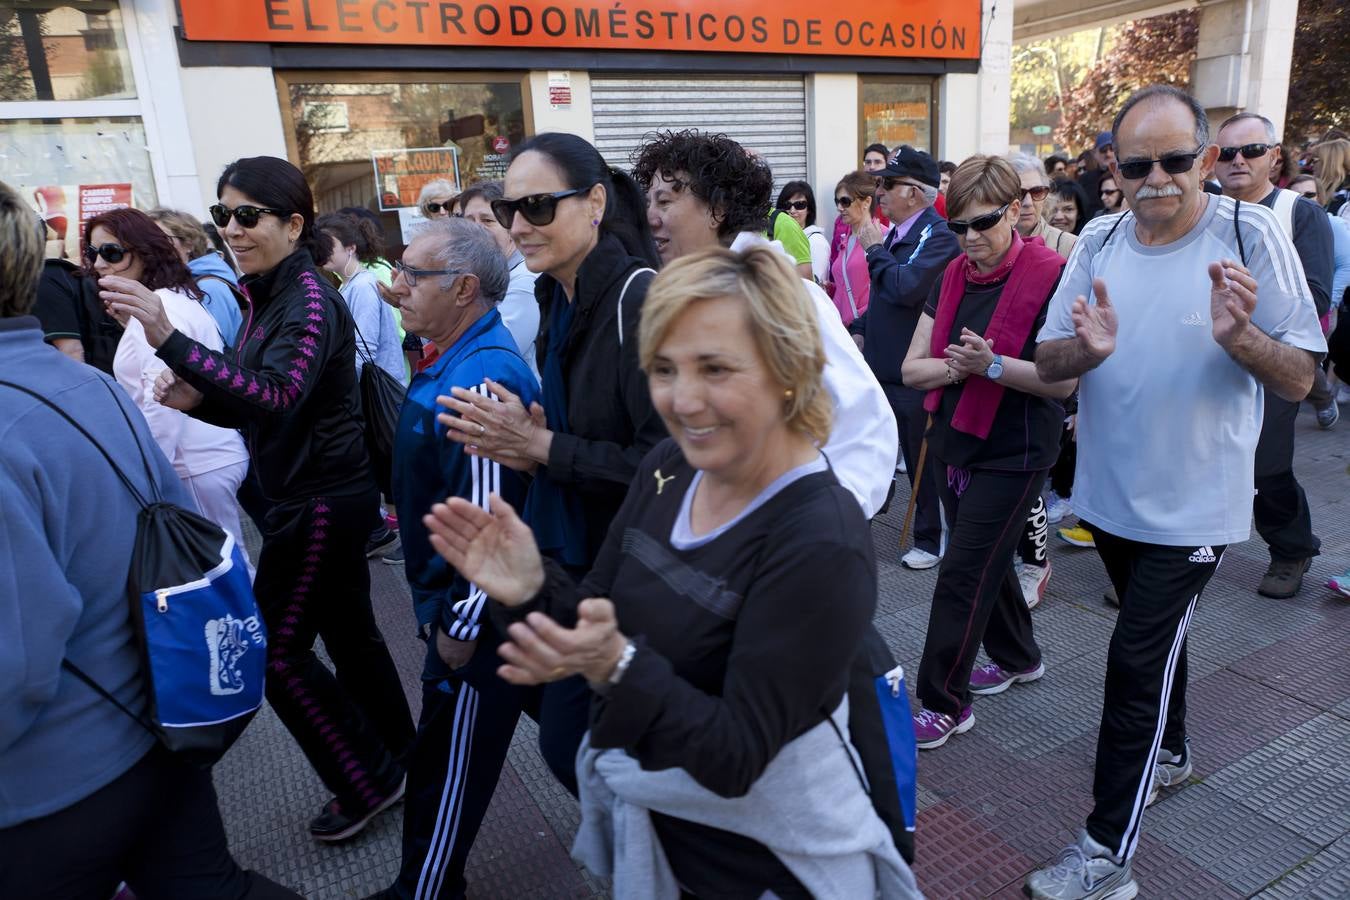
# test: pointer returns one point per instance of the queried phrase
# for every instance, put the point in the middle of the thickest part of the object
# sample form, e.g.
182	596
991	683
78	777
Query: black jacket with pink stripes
290	384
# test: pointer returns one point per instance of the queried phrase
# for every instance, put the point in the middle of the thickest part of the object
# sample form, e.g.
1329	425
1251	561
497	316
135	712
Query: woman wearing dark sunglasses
583	227
128	253
850	285
290	386
1031	212
799	201
995	434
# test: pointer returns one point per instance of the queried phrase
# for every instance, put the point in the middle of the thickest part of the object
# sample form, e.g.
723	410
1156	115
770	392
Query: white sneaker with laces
1085	871
1034	580
919	559
1170	771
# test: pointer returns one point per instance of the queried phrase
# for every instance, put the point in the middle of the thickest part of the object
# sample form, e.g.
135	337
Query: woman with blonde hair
995	434
1331	168
437	199
717	674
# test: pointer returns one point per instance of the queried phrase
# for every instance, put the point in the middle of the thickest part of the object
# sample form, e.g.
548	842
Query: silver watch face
995	369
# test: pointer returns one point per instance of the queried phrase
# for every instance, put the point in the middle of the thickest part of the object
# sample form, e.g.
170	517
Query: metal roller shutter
766	114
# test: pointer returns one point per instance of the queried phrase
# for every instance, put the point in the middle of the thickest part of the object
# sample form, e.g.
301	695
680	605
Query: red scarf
1032	270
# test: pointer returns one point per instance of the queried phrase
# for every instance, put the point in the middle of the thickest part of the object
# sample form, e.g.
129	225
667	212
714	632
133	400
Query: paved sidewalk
1267	813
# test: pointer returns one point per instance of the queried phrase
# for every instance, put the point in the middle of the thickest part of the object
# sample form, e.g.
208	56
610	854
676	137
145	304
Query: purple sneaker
931	729
991	678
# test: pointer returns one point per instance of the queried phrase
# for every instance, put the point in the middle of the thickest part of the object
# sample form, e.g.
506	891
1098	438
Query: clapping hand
540	650
500	429
495	550
972	356
1232	299
1096	325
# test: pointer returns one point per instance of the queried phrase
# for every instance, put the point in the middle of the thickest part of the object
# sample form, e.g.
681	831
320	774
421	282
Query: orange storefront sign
901	28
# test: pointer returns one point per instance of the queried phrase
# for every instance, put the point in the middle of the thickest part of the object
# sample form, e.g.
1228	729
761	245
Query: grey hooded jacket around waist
808	807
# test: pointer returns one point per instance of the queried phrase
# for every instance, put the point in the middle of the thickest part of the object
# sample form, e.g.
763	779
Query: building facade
145	101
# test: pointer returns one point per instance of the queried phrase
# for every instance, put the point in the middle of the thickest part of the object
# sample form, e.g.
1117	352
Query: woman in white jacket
129	254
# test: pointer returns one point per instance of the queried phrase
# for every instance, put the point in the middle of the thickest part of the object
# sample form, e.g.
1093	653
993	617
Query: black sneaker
383	544
334	824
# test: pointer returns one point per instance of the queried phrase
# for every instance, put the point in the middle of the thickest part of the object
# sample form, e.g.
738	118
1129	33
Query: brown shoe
1284	578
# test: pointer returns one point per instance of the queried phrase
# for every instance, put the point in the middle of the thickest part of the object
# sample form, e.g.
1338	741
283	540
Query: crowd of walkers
648	417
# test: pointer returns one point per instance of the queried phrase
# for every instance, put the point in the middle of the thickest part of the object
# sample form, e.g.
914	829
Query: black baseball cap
906	162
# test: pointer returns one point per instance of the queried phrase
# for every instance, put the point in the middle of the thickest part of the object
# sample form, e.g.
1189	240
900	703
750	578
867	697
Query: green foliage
1043	71
1318	97
1156	50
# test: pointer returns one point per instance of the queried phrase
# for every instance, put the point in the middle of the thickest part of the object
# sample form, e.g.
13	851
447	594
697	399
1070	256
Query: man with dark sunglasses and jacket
904	264
1247	147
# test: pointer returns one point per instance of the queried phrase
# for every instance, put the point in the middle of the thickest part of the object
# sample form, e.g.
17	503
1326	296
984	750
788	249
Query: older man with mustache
1199	306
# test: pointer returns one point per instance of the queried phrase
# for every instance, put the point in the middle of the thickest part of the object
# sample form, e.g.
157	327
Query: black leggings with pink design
313	581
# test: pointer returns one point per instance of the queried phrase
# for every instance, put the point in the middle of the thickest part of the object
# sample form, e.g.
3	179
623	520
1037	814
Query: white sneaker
1169	771
900	466
919	559
1084	871
1034	580
1057	509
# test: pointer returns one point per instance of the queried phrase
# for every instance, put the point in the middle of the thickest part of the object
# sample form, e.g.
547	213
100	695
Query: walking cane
918	478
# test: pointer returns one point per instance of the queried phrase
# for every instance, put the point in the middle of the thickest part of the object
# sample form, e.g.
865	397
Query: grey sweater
808	807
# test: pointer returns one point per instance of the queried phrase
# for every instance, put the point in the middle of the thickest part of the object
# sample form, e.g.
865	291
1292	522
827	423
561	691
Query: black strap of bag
239	299
140	500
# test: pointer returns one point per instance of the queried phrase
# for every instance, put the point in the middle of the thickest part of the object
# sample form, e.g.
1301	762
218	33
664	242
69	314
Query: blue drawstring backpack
899	724
201	638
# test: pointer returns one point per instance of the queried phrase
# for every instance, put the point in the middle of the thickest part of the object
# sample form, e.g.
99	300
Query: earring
788	394
595	223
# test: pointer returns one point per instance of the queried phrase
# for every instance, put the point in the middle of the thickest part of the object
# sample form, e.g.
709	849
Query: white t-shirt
193	447
864	439
1168	424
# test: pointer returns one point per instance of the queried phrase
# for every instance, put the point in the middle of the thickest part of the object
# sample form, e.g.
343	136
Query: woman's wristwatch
995	370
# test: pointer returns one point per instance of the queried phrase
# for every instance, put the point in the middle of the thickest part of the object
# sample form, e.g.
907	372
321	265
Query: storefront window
64	51
71	170
373	141
896	112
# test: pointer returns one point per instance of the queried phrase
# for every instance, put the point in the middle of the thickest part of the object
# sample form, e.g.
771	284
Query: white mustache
1148	193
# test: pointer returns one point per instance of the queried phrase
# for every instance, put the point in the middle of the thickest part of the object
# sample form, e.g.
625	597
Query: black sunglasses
111	253
1311	195
1172	164
844	202
410	275
538	209
889	184
434	209
246	216
979	223
794	204
1038	193
1248	151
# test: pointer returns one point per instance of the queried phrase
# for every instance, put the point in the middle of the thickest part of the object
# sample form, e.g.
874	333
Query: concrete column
575	119
995	77
831	137
974	109
230	112
1243	57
